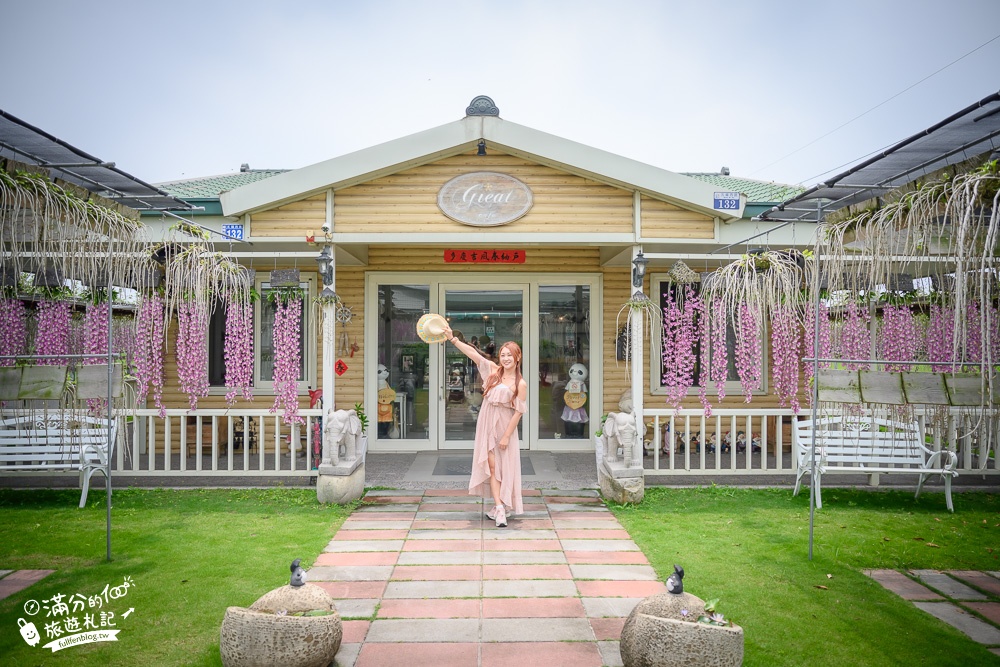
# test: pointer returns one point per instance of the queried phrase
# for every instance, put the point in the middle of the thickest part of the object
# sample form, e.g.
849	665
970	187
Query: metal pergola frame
25	143
967	134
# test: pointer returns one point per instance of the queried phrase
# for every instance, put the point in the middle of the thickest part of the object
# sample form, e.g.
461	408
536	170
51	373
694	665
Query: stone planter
656	634
260	637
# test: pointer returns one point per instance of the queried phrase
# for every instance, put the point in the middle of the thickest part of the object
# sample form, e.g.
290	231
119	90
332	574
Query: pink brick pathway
458	591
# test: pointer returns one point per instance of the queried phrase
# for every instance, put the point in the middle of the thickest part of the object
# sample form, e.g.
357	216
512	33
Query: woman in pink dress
496	460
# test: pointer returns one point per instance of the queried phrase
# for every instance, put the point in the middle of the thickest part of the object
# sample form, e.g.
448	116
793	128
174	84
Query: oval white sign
484	199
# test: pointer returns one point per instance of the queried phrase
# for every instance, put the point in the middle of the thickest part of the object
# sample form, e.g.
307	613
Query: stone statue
675	583
298	574
342	427
620	430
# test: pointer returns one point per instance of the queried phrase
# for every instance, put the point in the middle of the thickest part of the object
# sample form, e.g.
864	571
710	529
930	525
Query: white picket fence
959	431
237	442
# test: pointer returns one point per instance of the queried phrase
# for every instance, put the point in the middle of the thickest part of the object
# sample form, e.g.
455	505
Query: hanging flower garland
192	350
900	337
681	334
855	341
719	370
287	357
149	350
941	338
786	353
748	352
824	350
52	332
13	329
238	350
95	332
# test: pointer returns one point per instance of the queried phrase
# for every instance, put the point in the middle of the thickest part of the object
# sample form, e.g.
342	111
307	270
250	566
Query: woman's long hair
495	378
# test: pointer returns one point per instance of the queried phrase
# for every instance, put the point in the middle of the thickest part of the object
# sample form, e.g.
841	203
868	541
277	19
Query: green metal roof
757	192
213	186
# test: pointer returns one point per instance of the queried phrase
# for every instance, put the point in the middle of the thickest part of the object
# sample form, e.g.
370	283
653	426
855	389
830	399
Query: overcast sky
181	89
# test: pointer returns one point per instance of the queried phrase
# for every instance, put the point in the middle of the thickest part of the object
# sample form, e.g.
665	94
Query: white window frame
733	387
307	282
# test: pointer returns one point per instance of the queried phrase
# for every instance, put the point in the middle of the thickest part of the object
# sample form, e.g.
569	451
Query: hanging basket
92	381
900	282
10	382
9	277
284	278
926	388
49	276
42	382
146	279
682	273
882	387
837	386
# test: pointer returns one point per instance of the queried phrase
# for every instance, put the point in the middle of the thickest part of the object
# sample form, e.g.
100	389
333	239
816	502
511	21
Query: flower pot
10	382
267	633
837	386
926	388
656	635
92	381
964	388
882	387
42	382
250	638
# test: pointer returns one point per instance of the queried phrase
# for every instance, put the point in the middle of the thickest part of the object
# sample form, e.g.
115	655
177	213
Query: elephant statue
341	427
620	430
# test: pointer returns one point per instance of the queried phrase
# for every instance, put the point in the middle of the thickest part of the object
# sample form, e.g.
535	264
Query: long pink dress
494	416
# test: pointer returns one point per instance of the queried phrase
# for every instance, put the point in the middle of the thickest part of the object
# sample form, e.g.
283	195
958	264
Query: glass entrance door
485	316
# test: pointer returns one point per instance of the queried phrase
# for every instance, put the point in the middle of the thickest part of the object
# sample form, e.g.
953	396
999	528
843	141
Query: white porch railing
976	446
235	442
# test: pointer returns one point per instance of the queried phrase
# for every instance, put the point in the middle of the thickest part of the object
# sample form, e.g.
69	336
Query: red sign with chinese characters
484	256
340	367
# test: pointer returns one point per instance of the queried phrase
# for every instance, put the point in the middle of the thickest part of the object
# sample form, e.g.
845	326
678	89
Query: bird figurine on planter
298	574
675	584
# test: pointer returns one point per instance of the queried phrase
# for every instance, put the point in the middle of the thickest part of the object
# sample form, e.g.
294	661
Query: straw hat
431	328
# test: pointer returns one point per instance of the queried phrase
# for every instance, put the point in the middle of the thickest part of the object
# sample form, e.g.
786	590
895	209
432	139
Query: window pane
403	370
563	361
667	288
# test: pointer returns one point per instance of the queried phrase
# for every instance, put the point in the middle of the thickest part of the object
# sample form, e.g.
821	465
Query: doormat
462	465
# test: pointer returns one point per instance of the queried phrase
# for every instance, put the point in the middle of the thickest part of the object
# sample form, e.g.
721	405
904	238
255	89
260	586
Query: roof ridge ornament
482	106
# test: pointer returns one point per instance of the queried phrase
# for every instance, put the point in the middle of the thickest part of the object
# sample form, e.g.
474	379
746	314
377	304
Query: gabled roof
757	192
461	136
210	187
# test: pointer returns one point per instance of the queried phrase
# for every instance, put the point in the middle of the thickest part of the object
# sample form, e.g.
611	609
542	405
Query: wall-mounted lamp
325	265
638	270
482	147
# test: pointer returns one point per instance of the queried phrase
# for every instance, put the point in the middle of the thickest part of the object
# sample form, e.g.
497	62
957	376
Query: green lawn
189	553
750	549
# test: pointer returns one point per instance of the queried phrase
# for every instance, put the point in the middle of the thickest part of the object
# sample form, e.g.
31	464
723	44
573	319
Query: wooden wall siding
663	220
292	219
349	388
406	202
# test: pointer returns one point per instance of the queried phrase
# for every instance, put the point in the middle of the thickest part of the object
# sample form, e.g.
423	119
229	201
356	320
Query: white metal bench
57	441
869	445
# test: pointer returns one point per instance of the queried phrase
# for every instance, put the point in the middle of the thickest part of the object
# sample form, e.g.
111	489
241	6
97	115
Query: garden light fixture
638	270
325	264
